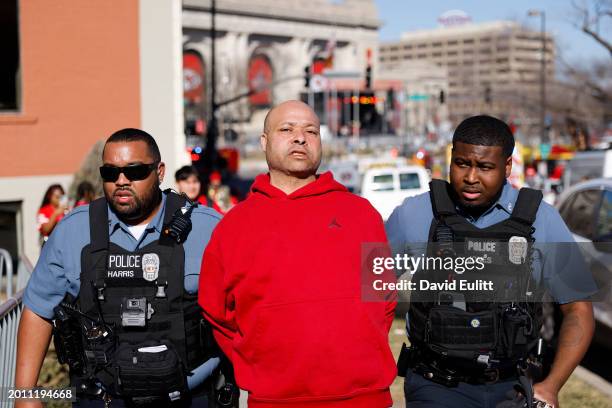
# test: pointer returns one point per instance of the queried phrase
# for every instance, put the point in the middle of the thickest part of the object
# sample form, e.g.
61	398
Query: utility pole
543	77
212	133
542	14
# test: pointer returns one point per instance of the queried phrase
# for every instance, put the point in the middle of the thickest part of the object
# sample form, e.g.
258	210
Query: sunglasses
135	172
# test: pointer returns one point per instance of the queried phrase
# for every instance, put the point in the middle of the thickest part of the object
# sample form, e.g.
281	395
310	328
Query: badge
475	323
517	250
150	266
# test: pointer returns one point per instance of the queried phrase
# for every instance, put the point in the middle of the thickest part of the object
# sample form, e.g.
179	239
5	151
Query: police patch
517	250
150	266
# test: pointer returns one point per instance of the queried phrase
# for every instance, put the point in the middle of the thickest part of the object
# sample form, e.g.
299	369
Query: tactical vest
144	332
473	327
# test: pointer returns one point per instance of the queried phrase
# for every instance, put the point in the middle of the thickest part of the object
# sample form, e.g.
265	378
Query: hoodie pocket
319	349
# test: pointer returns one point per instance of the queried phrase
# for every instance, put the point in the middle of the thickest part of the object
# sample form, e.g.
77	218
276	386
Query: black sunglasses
133	173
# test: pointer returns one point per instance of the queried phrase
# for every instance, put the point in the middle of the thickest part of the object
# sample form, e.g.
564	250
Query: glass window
580	214
564	210
409	181
9	49
604	218
382	182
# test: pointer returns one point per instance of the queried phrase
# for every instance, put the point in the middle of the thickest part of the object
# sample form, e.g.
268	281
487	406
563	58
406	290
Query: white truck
388	187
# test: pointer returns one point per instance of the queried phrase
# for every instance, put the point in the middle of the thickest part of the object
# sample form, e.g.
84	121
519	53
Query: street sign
545	151
418	97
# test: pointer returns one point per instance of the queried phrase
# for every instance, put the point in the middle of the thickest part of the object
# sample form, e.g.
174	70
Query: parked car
388	187
588	165
586	208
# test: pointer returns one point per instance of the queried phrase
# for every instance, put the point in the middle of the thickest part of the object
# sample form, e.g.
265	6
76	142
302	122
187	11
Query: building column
161	80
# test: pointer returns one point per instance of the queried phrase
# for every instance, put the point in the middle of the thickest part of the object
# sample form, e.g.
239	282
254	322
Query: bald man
280	281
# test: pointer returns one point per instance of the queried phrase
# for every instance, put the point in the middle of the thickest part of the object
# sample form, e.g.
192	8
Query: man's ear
161	171
508	166
263	141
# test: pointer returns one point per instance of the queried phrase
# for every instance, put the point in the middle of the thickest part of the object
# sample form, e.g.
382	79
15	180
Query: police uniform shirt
57	271
559	263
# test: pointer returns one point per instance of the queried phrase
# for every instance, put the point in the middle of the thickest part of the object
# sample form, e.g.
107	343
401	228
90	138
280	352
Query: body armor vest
490	313
142	331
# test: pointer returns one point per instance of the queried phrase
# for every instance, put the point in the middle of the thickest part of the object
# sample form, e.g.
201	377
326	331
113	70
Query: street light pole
210	151
213	56
542	14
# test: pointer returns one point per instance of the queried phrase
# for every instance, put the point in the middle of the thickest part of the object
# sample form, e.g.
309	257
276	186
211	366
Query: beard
141	207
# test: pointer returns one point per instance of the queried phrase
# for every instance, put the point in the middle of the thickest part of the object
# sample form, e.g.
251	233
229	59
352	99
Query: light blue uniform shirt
58	269
561	265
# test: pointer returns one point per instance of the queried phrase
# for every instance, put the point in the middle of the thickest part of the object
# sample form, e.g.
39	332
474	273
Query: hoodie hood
324	183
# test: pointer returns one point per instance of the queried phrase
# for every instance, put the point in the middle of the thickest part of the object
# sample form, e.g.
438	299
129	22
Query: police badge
517	250
150	267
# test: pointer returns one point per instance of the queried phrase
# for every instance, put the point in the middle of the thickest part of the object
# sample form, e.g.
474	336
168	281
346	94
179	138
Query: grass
575	394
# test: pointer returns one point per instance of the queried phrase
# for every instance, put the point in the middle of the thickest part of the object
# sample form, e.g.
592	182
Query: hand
61	209
547	393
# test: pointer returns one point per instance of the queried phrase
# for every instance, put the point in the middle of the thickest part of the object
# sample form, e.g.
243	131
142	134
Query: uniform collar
507	199
156	223
505	202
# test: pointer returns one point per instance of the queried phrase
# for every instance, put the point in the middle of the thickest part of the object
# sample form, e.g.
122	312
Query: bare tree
590	16
89	171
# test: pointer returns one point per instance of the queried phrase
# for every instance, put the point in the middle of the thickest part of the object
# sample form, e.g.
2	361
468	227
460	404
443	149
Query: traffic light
368	77
487	95
307	77
442	97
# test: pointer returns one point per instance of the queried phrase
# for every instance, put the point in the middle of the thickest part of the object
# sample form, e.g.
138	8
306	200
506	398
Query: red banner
260	77
193	78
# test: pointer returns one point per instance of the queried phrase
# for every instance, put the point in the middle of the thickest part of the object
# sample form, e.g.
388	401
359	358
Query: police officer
469	347
118	279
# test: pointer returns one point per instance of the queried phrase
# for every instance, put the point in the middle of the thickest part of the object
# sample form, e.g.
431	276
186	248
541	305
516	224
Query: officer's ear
161	172
508	166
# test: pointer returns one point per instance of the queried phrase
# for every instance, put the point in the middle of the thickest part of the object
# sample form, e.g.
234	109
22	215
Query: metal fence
10	312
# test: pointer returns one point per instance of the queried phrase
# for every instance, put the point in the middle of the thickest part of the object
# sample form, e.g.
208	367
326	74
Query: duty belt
450	372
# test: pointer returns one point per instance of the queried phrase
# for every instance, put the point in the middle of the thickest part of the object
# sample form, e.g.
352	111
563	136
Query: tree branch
587	30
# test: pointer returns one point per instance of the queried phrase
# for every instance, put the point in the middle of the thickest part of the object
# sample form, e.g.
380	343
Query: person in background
85	194
219	196
188	182
51	210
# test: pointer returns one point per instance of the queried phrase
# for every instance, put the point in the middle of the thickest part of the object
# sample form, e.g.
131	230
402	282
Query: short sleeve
566	273
204	221
57	271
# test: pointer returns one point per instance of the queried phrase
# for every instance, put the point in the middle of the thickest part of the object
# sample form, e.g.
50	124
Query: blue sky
407	15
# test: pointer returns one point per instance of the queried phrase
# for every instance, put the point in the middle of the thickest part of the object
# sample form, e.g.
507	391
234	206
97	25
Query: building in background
72	73
492	67
266	45
422	102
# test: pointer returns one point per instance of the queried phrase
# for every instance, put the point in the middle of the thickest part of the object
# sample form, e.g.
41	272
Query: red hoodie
280	283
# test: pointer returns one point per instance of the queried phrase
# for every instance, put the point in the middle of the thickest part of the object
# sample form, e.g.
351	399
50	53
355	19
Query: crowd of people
157	299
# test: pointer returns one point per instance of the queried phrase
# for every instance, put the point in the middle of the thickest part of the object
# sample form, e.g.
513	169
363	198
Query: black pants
196	402
422	393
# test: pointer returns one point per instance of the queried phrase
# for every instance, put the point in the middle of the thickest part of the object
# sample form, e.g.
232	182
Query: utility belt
109	365
133	371
221	392
450	372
